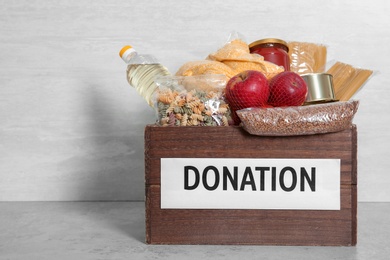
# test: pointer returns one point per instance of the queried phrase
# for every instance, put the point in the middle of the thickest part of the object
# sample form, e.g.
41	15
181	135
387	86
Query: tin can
273	50
320	88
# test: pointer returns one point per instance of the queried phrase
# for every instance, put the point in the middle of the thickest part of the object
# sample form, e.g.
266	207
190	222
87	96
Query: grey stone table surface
116	230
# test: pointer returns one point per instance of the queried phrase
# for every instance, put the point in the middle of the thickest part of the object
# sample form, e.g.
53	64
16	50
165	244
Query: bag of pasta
192	100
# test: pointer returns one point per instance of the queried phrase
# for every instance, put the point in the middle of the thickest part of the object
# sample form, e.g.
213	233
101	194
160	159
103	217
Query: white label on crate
236	183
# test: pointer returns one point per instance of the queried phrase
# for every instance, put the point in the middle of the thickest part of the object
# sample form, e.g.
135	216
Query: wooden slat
265	227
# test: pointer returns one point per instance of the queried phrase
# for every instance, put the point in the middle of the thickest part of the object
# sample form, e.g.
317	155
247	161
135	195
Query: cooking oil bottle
141	72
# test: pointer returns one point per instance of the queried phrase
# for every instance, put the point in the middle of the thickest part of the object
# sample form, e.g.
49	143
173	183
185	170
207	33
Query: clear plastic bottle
141	72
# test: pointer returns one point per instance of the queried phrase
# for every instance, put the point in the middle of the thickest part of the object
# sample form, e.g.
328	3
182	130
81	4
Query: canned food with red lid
273	50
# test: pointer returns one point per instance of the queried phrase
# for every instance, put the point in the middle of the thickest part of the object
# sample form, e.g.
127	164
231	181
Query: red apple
287	89
246	89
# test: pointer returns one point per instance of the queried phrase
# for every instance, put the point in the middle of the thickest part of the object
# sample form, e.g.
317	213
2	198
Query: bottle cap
127	52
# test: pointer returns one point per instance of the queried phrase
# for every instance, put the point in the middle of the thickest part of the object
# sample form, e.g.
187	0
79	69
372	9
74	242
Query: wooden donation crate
261	203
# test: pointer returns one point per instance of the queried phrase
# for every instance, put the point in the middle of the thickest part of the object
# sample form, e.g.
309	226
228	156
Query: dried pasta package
236	50
202	67
230	59
307	57
192	100
236	55
299	120
347	79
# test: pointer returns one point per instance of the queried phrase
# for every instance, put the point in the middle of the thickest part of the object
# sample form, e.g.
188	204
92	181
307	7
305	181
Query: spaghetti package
347	79
307	57
312	58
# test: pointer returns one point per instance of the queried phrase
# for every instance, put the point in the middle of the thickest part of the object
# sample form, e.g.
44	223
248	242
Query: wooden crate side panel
276	227
266	227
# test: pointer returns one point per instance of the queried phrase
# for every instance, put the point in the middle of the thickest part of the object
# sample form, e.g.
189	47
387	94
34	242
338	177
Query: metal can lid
268	40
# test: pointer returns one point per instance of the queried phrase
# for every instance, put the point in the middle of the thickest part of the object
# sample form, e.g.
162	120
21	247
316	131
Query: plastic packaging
230	59
306	57
299	120
192	101
141	72
348	80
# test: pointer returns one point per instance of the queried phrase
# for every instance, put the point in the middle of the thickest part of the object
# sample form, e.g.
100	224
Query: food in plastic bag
192	101
307	57
202	67
299	120
347	79
231	59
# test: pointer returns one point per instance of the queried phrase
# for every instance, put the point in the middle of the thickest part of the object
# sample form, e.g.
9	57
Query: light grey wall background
71	128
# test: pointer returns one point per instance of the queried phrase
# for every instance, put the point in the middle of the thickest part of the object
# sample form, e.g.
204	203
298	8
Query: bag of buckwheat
299	120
